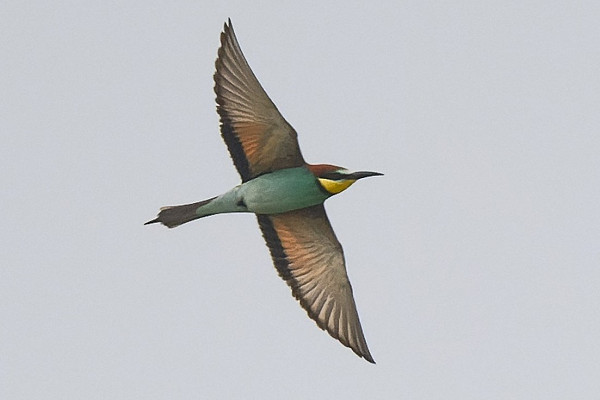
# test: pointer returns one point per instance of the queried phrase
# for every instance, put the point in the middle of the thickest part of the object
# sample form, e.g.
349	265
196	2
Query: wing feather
259	139
310	259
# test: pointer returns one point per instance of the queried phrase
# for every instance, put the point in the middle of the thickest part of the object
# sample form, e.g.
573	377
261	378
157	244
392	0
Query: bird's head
334	179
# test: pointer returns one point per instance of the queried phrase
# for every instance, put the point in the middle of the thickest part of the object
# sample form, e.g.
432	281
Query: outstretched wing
259	139
310	259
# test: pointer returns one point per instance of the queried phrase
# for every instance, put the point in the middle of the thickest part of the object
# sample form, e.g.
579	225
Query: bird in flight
285	193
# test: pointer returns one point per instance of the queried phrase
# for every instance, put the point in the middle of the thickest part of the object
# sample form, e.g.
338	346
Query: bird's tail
172	216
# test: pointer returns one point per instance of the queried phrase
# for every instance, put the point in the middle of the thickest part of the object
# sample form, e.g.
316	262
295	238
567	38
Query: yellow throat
337	186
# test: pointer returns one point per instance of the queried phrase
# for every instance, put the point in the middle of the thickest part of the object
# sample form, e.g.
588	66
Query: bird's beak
362	174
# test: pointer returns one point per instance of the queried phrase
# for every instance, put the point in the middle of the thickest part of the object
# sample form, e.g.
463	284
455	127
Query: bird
285	193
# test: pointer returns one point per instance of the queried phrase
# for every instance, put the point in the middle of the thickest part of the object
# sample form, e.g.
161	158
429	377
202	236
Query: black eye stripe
334	176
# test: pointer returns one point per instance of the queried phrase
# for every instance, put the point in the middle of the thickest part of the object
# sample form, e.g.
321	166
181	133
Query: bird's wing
310	259
259	139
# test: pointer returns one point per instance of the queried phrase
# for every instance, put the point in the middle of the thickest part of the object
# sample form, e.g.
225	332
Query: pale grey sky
474	260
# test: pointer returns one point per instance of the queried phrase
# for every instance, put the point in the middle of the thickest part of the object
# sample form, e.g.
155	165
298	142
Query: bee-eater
285	193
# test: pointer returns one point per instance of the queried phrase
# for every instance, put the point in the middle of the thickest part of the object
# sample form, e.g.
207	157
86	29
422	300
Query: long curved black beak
363	174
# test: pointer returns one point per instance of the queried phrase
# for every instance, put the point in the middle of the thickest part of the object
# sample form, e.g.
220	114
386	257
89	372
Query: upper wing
310	259
258	137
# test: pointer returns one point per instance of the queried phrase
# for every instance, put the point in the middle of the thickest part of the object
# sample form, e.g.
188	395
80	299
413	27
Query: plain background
474	260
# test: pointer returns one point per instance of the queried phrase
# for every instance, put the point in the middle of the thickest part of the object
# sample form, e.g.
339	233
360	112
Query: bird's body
285	193
273	193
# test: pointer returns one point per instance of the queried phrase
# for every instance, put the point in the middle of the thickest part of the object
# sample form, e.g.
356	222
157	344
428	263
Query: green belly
281	191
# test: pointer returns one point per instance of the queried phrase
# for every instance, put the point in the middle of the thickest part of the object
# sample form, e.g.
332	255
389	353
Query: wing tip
369	359
365	353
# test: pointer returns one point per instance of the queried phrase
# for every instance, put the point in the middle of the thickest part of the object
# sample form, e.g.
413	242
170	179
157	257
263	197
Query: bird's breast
281	191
